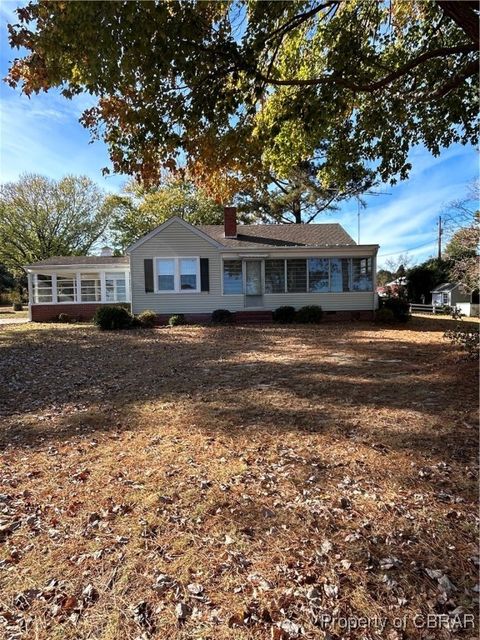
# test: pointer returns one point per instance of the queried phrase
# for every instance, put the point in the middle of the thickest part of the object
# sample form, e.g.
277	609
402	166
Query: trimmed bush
384	316
17	306
177	320
147	319
222	316
311	314
400	308
112	317
284	315
65	317
466	339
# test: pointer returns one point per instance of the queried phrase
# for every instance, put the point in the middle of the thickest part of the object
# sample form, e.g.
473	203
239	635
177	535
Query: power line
396	253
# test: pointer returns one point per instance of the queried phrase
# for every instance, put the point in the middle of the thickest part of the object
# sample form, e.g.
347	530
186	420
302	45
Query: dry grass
289	471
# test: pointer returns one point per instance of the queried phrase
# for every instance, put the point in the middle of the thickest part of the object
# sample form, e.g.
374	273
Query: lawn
237	482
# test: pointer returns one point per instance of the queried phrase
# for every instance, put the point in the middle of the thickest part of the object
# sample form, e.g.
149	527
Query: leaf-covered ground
238	482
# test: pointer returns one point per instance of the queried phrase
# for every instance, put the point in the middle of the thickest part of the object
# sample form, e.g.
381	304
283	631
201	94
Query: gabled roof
445	287
194	229
281	235
67	261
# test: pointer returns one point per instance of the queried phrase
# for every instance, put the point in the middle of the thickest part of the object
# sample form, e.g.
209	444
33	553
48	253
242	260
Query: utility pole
440	232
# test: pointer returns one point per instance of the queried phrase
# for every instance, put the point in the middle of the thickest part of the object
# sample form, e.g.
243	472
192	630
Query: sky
42	134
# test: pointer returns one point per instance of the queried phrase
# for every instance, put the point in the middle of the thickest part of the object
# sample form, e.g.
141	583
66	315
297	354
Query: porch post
54	288
127	286
30	288
79	287
103	287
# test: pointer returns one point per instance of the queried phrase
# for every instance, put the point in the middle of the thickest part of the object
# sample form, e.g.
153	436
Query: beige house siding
177	240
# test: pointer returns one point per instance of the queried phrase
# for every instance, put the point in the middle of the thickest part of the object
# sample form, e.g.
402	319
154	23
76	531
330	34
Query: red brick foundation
50	312
265	317
85	312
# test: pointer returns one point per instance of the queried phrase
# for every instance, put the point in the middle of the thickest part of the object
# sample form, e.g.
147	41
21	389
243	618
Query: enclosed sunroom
76	285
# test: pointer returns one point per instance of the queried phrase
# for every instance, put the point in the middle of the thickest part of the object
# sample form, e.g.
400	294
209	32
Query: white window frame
243	276
176	275
118	275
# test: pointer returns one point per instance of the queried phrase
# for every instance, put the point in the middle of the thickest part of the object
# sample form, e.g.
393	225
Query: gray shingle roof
443	288
281	235
72	260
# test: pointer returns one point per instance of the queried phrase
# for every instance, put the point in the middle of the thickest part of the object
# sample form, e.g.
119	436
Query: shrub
311	314
147	318
467	339
177	320
384	316
112	317
65	317
284	315
222	316
399	307
17	306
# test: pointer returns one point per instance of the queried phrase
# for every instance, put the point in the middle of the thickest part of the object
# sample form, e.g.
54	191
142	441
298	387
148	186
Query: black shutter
148	272
204	275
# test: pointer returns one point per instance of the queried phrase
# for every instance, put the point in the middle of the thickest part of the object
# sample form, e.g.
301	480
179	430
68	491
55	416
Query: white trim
176	276
164	226
76	266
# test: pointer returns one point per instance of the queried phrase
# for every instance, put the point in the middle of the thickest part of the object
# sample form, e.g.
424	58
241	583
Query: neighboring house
392	288
247	269
451	295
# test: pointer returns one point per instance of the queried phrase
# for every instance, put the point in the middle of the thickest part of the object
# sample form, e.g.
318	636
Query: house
247	269
451	295
392	288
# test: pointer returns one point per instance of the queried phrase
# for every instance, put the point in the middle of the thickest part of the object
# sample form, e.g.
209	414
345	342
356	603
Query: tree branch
377	84
465	16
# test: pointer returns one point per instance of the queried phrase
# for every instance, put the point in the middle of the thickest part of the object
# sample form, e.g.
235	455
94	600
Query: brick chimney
230	222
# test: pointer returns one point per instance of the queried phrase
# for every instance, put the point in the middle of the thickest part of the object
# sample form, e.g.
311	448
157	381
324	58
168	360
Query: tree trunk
464	14
297	211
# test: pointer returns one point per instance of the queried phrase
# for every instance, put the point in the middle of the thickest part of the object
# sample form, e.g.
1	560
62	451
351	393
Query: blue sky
42	135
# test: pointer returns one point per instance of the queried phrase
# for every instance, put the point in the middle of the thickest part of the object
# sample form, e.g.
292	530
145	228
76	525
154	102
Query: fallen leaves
242	502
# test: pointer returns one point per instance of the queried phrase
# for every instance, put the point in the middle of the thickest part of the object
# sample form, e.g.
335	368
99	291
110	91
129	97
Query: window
115	287
362	274
178	274
445	298
296	276
232	277
90	290
67	288
274	276
42	288
188	274
318	274
166	274
339	274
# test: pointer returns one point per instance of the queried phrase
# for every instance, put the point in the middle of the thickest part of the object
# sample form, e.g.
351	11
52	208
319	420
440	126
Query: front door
253	283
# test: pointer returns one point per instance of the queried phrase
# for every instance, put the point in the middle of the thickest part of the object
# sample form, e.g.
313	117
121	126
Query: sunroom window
296	276
90	289
67	288
42	288
274	276
232	277
362	274
339	274
318	274
115	287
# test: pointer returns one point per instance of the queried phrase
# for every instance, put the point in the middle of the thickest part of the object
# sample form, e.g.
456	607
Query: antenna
361	203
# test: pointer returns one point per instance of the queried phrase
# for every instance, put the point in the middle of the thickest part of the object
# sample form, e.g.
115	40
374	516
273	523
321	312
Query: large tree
40	218
353	83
